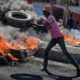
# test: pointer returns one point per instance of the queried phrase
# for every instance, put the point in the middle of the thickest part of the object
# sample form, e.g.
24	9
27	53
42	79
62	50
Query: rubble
11	5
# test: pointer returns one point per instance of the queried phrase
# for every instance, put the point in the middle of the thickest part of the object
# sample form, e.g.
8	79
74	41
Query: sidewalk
31	71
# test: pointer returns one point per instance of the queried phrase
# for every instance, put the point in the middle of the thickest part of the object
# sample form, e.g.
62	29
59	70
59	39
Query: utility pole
66	10
79	3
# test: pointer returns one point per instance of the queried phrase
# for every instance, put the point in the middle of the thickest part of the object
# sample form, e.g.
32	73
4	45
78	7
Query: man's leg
50	45
71	59
63	47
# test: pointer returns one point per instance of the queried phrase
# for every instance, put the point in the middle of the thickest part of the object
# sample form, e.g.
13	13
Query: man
57	37
70	22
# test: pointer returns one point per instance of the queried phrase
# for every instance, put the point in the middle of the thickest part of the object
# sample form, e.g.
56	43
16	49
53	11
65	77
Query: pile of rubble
14	5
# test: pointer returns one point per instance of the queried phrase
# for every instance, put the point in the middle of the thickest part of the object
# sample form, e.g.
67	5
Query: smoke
32	13
75	33
15	5
43	36
20	5
11	33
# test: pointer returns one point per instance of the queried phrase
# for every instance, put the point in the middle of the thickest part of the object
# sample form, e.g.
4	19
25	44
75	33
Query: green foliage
66	1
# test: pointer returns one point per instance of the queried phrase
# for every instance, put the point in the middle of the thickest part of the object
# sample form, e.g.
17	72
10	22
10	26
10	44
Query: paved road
31	71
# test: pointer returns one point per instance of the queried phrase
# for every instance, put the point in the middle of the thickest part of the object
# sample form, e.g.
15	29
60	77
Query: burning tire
3	60
18	19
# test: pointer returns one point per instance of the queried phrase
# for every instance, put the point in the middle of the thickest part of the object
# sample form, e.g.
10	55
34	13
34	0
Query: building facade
70	2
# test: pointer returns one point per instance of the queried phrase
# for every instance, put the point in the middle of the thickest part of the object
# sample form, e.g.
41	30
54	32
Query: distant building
60	10
71	2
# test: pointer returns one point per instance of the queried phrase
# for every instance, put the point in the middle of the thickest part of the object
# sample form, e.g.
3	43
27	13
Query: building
70	2
59	8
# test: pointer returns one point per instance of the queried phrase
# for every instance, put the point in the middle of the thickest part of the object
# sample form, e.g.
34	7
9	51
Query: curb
52	63
57	55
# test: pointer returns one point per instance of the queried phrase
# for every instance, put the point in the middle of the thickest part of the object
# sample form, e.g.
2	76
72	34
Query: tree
66	1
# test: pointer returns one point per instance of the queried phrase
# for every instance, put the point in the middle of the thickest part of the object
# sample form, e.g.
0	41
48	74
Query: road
31	71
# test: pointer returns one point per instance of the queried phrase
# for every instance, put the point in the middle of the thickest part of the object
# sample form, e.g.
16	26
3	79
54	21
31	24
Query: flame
71	40
12	57
4	45
26	43
31	42
16	44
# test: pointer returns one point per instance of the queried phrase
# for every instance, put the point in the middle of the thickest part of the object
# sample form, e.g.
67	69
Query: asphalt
31	70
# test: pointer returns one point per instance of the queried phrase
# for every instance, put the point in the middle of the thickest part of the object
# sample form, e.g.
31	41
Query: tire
18	54
3	61
18	22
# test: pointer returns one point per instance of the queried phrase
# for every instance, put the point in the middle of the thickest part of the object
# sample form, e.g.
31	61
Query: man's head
47	10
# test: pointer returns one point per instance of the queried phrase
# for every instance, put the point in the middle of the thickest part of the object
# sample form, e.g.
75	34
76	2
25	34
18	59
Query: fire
71	40
31	42
4	45
25	43
28	42
17	44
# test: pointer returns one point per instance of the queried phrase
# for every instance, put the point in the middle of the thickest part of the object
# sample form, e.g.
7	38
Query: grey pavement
31	71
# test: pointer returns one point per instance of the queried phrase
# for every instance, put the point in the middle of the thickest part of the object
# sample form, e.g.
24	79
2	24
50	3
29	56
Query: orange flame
26	43
4	45
31	42
71	40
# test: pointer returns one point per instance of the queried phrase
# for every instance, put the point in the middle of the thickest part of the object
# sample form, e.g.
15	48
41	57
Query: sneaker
78	71
44	69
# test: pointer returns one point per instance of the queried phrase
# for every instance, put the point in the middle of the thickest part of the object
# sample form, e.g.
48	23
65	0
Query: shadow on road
26	77
58	77
38	77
